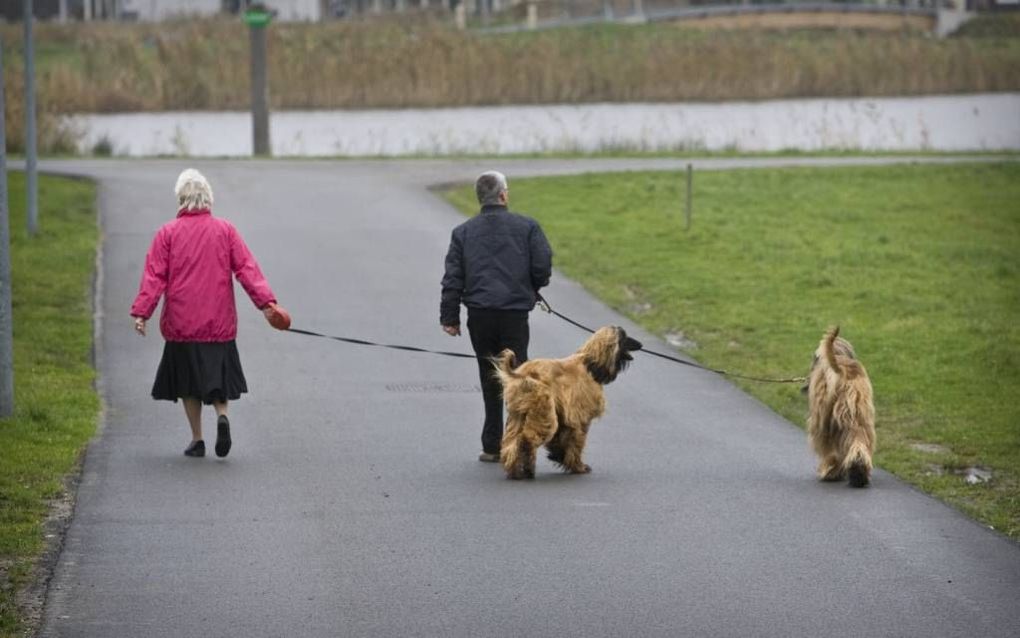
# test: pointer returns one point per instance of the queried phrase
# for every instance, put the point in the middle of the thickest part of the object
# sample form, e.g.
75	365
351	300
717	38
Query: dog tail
858	464
505	362
829	350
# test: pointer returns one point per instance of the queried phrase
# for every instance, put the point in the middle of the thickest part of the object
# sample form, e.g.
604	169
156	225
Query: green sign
256	18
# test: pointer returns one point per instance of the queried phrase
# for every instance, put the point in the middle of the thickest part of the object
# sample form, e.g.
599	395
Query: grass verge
56	405
916	263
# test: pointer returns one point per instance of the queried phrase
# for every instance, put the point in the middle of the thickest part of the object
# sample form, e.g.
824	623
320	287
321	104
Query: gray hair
488	187
193	190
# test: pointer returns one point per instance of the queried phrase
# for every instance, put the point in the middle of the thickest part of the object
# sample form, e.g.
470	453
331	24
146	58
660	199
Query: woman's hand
140	326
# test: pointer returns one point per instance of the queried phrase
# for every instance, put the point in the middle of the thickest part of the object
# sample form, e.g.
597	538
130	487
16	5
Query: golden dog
552	402
841	421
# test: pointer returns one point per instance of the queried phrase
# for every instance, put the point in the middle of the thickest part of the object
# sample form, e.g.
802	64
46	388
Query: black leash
362	342
544	305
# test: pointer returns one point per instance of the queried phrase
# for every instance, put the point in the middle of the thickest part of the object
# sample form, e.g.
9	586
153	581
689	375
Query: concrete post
532	14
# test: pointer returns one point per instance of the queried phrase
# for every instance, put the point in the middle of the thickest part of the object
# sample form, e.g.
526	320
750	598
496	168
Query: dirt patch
975	475
679	340
930	448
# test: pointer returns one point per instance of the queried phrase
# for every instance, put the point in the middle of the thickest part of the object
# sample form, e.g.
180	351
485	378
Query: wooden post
532	14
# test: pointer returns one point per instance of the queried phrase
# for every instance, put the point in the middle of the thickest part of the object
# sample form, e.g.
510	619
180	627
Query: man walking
496	264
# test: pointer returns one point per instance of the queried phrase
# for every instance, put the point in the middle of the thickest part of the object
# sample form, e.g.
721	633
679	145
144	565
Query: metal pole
259	91
6	318
687	208
30	153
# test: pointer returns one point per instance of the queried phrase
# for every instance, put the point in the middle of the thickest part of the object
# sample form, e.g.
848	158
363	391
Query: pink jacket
191	261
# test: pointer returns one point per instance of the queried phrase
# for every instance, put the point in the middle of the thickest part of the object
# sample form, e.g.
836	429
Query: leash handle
542	303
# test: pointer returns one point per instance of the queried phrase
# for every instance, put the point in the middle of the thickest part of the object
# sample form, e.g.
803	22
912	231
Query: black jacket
497	260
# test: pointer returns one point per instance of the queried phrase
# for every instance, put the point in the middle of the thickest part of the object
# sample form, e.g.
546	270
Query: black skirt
210	372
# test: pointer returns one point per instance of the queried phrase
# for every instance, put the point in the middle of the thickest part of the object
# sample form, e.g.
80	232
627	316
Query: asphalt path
352	503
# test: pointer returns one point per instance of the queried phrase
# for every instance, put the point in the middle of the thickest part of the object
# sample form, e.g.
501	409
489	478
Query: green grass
56	405
918	264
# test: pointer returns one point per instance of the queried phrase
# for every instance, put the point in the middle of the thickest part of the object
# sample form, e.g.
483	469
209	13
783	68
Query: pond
979	122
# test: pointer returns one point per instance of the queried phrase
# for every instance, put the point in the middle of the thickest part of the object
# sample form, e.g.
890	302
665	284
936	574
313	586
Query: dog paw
584	469
859	476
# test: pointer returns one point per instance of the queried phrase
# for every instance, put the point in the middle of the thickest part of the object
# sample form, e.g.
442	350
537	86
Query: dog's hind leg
557	446
523	437
574	439
531	424
510	447
831	469
858	464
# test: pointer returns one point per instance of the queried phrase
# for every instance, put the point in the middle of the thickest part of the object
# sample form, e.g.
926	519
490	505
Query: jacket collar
193	211
493	208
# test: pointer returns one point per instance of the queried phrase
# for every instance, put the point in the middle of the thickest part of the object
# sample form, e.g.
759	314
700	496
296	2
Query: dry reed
203	65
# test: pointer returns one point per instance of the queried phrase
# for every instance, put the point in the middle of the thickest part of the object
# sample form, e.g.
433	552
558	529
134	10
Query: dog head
607	353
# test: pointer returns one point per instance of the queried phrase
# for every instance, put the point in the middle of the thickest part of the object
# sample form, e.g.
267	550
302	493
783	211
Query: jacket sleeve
541	258
453	283
247	271
154	276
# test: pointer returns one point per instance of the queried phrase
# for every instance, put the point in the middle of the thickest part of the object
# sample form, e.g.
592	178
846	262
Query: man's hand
140	326
453	331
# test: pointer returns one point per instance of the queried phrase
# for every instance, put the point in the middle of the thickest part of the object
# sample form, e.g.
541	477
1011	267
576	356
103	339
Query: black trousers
493	331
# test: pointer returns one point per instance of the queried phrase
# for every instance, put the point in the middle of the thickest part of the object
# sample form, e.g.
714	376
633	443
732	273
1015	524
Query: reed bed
203	65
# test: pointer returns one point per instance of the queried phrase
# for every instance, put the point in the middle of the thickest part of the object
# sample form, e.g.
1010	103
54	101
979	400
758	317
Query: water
979	122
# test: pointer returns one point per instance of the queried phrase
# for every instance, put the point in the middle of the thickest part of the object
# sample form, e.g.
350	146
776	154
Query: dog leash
544	305
362	342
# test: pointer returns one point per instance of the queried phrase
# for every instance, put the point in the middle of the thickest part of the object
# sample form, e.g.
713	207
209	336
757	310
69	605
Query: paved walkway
352	503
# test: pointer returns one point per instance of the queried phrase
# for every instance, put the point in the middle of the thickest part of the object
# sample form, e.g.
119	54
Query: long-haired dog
552	402
841	420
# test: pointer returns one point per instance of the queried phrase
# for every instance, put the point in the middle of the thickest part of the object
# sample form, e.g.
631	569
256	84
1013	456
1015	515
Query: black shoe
222	436
197	448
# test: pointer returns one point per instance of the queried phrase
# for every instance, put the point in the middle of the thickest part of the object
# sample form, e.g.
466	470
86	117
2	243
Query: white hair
193	190
488	186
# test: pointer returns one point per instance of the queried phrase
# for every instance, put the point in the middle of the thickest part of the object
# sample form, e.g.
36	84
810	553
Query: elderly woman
192	262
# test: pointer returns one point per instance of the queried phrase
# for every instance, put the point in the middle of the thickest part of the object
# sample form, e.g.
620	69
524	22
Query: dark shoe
197	448
488	457
222	436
